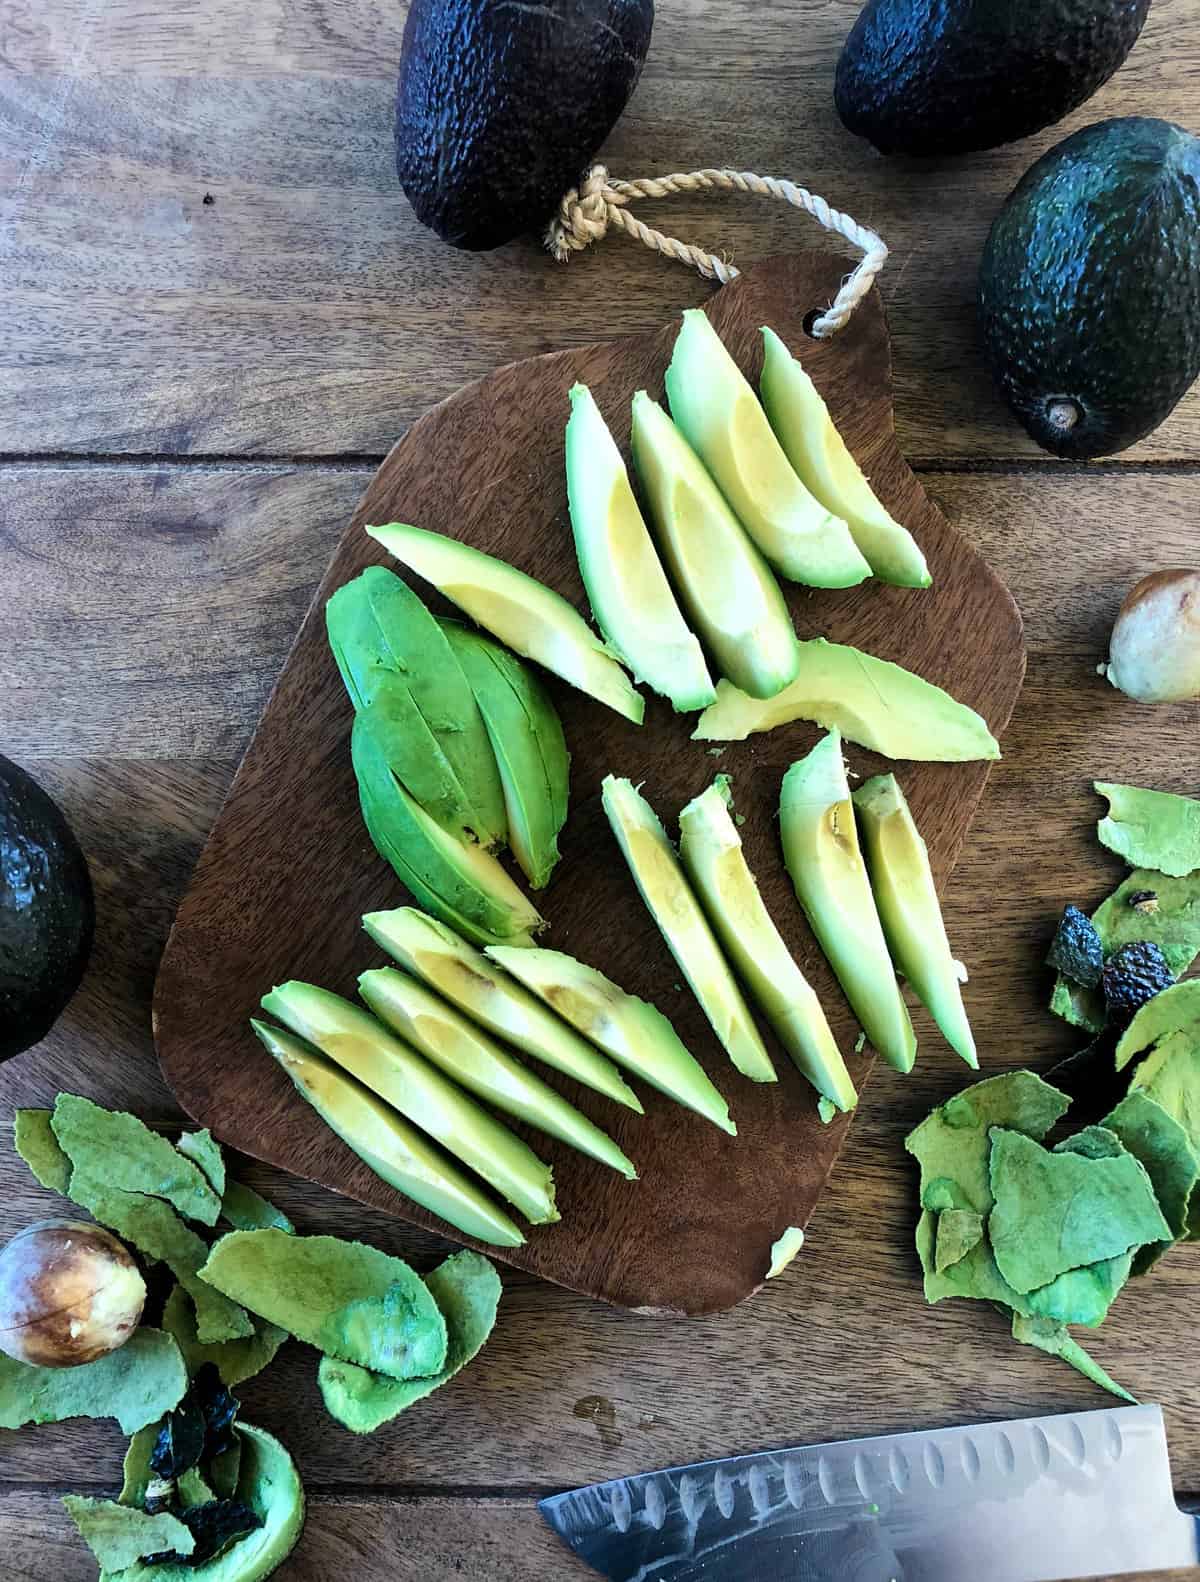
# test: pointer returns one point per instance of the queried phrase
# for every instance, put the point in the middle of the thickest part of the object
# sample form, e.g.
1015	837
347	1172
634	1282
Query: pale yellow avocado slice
465	977
821	457
712	853
365	1049
821	850
529	617
630	596
668	896
728	590
871	701
721	419
909	910
397	1152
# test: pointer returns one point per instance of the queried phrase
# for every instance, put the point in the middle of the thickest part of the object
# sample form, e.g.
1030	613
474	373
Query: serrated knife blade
1038	1499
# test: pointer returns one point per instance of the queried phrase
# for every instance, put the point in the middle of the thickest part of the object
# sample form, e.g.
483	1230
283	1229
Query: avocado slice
630	596
870	701
530	618
634	1032
472	1059
669	899
712	853
906	898
822	459
719	416
822	854
456	879
397	1152
418	1091
389	647
527	738
730	593
465	977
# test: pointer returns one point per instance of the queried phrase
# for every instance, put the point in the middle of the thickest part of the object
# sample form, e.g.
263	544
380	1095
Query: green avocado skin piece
131	1158
235	1360
1049	1336
1168	1155
34	1140
1151	829
1066	313
119	1536
137	1384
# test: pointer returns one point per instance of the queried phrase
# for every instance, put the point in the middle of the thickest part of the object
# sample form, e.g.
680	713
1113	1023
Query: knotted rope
587	212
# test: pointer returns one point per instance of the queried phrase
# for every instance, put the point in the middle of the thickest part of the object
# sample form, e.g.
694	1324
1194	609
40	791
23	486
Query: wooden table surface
216	314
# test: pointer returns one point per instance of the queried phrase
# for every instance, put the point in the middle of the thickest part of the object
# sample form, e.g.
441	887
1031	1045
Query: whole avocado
501	105
937	77
47	912
1089	290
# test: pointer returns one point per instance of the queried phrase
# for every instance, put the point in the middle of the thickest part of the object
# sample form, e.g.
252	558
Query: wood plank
305	312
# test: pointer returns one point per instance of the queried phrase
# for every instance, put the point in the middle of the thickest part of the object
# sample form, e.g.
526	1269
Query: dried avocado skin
1076	950
1133	975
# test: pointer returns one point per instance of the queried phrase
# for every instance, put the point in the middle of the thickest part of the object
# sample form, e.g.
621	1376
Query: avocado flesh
635	1033
712	853
472	1059
521	612
871	701
464	976
527	739
898	863
397	1152
811	442
392	654
719	416
456	879
628	590
730	593
401	1078
669	900
823	857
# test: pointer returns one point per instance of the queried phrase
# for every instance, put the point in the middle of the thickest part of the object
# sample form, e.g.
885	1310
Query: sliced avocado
712	853
472	1059
392	653
898	862
720	418
527	738
821	850
632	1031
784	1250
669	899
419	1092
530	618
730	593
870	701
822	459
456	879
465	977
394	1150
630	596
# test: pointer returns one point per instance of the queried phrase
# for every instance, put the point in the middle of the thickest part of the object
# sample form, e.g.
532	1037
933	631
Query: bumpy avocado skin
1089	290
500	107
47	912
938	77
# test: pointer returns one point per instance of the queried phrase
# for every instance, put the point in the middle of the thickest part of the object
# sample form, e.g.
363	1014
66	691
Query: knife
1037	1499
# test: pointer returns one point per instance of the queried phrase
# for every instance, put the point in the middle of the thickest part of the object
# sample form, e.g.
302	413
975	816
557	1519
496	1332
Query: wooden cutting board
288	869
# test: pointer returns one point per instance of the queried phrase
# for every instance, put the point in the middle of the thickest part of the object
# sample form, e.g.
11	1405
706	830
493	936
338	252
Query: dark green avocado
46	911
502	104
937	77
1089	290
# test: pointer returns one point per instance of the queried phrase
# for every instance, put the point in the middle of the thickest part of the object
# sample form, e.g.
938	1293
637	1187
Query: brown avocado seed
1154	653
69	1292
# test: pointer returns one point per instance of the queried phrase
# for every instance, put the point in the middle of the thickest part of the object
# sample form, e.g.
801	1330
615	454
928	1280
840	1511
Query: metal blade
1039	1499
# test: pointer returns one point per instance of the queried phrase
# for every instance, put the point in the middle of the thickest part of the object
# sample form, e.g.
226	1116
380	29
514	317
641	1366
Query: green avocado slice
631	599
397	1152
905	895
721	419
523	613
712	854
822	460
1151	829
669	899
870	701
729	592
465	977
823	857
